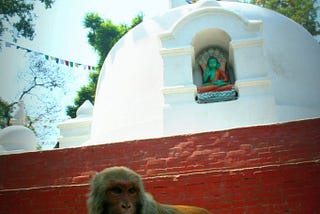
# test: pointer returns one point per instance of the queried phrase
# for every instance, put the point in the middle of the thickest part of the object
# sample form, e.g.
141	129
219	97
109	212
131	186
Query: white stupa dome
148	82
17	138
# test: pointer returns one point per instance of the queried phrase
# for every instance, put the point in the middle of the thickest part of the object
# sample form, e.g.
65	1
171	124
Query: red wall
264	169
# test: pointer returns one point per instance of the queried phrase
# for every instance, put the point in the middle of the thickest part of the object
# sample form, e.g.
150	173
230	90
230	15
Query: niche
212	71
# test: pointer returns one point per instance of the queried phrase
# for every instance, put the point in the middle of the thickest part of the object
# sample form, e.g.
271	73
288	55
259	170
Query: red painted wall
264	169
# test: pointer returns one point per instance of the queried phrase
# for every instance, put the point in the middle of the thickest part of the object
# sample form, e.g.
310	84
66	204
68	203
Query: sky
60	33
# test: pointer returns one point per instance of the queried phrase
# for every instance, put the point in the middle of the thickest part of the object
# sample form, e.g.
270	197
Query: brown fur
101	201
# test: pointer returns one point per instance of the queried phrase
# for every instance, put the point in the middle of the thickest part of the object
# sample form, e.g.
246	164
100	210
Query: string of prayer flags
57	60
191	1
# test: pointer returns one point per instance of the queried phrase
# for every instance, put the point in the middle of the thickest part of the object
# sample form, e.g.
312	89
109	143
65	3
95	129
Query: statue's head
213	63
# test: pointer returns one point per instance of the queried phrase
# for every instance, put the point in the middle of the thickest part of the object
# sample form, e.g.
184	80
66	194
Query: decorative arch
184	30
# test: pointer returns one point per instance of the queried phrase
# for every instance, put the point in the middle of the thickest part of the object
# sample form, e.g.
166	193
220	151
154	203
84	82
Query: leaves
102	36
303	12
5	111
18	15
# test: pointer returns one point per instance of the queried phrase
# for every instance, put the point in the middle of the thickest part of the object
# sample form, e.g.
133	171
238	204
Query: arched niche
208	44
203	43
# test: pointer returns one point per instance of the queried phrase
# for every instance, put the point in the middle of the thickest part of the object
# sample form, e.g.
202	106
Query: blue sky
60	33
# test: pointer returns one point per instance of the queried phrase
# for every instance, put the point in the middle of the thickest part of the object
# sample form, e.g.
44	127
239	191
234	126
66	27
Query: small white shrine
76	131
17	138
156	81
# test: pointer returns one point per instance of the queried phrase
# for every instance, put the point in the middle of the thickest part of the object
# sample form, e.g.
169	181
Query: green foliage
303	12
85	93
102	36
137	20
5	111
18	15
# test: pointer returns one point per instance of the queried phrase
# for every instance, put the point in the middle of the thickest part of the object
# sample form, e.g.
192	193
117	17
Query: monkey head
121	192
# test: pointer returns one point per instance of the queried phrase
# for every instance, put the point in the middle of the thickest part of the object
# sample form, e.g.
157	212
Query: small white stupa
17	138
152	81
75	132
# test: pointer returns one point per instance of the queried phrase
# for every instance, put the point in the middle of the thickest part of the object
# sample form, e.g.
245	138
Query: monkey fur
119	190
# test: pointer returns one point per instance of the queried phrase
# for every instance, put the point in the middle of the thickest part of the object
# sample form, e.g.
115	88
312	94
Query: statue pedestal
75	132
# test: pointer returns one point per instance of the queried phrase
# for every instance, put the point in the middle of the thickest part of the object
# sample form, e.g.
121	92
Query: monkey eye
116	190
132	191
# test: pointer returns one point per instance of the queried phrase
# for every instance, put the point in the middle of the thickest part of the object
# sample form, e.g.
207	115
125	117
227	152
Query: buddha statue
214	78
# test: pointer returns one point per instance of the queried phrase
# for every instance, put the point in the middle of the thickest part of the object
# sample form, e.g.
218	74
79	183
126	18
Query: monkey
119	190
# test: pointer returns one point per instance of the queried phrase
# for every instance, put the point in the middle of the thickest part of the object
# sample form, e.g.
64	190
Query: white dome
146	81
17	138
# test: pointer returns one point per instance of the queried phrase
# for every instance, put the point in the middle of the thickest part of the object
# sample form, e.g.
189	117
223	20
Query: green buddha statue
214	79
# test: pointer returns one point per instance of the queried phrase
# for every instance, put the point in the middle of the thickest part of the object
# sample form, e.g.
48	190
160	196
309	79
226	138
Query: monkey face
122	197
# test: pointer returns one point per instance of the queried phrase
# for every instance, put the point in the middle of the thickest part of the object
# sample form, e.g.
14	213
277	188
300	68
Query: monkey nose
126	205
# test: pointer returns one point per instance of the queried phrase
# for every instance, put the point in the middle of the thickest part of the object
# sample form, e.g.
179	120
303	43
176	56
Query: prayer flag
47	57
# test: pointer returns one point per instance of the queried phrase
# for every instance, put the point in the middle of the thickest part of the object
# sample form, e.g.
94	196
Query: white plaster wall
218	116
129	100
177	66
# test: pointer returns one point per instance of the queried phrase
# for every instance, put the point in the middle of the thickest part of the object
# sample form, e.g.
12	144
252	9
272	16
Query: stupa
17	138
207	66
76	131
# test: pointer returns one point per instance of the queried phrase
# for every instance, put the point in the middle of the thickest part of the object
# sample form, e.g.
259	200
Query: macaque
119	190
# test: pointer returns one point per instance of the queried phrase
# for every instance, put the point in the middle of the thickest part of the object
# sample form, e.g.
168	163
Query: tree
102	36
5	111
17	15
303	12
42	85
85	93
